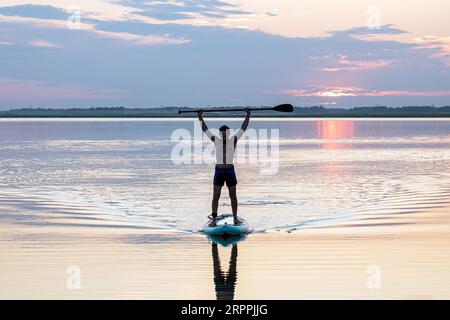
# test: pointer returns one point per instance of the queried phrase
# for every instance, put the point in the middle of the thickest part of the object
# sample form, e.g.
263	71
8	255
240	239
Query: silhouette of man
224	170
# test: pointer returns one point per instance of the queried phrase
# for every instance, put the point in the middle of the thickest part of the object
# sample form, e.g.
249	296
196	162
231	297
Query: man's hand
200	113
248	111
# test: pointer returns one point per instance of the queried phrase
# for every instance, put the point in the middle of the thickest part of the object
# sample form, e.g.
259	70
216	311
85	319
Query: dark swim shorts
223	175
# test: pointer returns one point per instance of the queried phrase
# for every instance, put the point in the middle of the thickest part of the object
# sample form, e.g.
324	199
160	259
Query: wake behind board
225	226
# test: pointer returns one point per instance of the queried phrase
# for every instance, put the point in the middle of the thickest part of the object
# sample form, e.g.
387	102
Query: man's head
225	131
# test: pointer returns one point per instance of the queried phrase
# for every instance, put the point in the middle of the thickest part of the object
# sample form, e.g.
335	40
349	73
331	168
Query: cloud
33	11
88	26
191	13
44	43
360	32
140	40
336	92
56	9
442	44
186	9
272	13
29	90
42	23
336	63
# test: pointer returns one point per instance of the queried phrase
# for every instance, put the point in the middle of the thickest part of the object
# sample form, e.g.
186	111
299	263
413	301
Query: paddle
280	108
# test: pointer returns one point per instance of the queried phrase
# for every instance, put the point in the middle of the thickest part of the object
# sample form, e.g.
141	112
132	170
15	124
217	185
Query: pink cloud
44	43
355	65
332	103
435	42
140	40
16	89
343	63
336	92
440	43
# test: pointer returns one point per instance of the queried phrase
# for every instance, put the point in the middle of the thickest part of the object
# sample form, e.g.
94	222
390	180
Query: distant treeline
315	111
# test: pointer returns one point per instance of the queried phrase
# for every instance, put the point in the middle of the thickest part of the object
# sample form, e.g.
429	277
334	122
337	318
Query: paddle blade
284	108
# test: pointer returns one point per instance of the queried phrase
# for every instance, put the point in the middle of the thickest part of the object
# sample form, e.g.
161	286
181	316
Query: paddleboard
225	226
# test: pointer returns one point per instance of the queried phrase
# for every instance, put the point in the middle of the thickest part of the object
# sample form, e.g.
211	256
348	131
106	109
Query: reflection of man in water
225	283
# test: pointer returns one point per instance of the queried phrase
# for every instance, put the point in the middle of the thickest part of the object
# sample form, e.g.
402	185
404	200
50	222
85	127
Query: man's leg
215	200
234	202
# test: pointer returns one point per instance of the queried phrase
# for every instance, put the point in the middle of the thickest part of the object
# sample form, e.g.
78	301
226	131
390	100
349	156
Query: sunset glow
359	92
332	132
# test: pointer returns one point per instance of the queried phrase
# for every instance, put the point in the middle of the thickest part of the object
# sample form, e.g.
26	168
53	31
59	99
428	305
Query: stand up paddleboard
225	226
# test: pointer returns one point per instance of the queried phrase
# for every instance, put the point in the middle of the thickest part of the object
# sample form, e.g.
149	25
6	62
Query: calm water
122	173
107	197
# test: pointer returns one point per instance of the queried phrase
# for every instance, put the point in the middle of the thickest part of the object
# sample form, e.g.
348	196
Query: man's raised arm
204	126
244	126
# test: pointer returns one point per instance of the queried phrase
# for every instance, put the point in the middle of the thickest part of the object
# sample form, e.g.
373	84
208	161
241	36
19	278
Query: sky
144	53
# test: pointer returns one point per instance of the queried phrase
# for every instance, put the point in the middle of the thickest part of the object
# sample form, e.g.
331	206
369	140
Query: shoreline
235	116
216	118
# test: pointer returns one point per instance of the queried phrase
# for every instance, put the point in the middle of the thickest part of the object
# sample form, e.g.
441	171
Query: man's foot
237	221
213	223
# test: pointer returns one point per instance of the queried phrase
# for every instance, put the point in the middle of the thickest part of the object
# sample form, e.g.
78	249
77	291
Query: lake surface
122	174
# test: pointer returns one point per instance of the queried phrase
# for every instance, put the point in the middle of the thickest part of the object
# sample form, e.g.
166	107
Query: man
224	172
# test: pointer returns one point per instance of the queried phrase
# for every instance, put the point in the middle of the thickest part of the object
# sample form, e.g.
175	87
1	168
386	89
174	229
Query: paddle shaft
223	110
